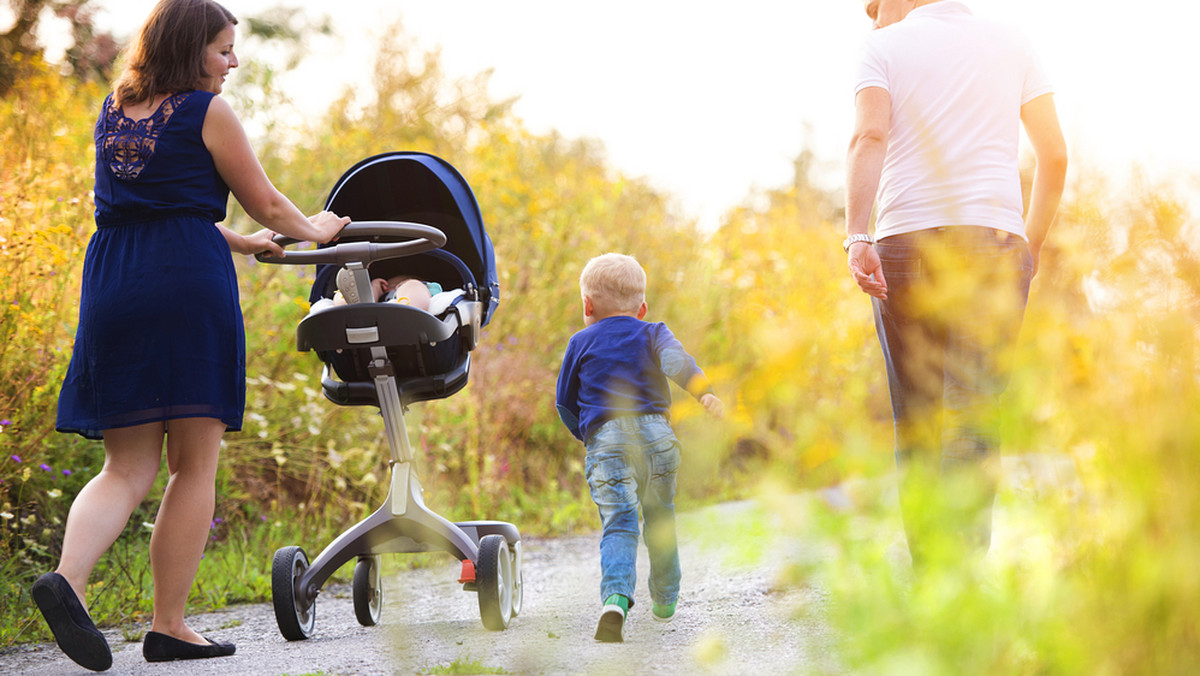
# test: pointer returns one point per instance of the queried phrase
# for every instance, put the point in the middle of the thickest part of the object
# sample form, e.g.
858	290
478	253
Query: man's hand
867	270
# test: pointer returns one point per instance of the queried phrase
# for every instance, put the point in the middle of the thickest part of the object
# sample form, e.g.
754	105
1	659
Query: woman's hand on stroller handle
263	243
328	224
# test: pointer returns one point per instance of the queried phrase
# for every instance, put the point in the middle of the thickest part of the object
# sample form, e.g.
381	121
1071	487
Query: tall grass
1091	569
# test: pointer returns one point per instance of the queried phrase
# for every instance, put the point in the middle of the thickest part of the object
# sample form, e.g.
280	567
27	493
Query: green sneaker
612	620
663	612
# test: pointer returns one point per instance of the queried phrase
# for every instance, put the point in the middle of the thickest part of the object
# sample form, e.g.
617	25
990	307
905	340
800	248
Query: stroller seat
410	212
427	349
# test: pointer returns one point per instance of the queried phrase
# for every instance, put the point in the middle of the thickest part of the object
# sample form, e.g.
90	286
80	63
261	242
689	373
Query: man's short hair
614	282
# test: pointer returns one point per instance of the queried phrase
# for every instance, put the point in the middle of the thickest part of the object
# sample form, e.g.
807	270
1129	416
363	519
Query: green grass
462	665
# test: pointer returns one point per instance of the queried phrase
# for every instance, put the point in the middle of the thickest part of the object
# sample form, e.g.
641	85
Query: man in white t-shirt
940	99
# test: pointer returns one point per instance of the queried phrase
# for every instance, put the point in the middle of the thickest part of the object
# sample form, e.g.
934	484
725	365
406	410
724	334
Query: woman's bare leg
184	519
132	457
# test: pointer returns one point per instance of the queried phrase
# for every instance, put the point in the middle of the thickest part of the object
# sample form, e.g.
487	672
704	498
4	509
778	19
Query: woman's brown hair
167	55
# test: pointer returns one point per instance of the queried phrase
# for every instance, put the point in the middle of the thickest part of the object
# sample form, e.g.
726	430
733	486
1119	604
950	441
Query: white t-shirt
957	84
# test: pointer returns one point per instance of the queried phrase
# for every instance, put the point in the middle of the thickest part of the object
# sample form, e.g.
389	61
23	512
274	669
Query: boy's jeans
634	460
956	298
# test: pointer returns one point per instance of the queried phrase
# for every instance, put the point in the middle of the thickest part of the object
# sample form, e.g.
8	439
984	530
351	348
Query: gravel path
733	618
740	611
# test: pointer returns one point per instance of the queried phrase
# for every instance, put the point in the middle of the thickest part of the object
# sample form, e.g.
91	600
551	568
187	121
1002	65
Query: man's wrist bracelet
855	239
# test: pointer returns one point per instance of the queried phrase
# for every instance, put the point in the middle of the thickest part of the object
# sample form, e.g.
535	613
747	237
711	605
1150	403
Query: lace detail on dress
128	144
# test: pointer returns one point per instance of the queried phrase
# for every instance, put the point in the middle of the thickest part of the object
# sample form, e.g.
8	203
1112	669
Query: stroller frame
490	551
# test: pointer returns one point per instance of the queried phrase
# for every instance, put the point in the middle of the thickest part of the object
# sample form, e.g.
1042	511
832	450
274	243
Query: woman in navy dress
160	349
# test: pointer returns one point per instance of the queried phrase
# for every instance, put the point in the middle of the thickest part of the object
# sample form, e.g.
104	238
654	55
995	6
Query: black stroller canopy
420	188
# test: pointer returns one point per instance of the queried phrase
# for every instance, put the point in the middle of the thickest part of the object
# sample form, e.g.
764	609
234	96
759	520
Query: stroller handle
422	238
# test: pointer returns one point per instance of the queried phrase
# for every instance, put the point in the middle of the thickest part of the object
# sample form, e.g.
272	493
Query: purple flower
46	468
5	423
16	458
66	472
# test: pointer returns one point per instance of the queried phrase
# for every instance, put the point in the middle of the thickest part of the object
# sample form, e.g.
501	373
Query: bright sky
709	100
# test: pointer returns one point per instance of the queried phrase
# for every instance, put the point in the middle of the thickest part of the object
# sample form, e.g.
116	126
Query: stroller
411	213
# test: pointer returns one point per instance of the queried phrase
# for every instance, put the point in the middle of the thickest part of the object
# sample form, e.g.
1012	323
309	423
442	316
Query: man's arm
1040	118
864	164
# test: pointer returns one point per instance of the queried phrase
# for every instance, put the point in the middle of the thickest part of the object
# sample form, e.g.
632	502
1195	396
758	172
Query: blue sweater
618	367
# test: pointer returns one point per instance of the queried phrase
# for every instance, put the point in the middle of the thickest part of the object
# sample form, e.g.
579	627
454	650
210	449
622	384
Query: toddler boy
613	395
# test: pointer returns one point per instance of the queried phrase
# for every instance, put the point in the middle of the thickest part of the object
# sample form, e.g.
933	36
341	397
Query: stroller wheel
494	573
368	591
294	612
518	587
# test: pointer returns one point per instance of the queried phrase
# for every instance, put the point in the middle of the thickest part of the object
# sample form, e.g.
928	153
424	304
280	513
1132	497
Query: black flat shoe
158	647
73	628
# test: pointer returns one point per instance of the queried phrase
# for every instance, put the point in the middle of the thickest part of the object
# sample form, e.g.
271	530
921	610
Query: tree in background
90	56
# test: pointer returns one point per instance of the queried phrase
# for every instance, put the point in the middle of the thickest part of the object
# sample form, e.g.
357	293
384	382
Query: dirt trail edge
734	618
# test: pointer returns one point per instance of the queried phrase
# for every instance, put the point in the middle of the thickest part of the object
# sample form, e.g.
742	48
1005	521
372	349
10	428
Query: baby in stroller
415	222
395	289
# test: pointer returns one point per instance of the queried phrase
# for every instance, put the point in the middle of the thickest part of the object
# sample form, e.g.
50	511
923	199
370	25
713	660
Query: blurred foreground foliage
1093	567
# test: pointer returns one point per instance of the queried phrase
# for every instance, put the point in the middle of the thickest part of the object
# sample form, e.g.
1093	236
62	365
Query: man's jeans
956	298
634	460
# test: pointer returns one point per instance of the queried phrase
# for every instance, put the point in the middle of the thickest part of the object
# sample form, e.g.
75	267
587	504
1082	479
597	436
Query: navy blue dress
160	326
